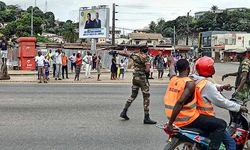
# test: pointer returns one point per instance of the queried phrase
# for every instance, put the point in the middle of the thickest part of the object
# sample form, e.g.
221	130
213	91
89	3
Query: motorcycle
195	139
239	127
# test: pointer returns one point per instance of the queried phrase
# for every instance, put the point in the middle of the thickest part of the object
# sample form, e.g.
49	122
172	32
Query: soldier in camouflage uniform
242	77
140	81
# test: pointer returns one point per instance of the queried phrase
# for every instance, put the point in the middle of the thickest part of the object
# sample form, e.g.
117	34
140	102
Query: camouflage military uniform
243	94
139	80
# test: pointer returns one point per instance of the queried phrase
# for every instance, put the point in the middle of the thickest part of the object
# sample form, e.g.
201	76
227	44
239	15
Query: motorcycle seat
201	132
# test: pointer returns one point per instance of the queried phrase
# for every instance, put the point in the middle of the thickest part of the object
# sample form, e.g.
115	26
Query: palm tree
214	8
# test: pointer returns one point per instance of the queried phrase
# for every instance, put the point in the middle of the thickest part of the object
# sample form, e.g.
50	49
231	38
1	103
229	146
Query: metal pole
46	6
113	25
93	46
187	27
174	39
32	24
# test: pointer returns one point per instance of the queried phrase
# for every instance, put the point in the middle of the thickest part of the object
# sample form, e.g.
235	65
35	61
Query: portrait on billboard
94	23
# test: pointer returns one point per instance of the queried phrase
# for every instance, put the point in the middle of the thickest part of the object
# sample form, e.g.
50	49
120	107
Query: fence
13	53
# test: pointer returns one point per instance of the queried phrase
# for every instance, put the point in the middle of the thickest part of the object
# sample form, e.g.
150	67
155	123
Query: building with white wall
227	44
145	38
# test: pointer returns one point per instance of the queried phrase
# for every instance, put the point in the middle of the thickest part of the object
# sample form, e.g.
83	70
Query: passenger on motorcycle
208	93
180	106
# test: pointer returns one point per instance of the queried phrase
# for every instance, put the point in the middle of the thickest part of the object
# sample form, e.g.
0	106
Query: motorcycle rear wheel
176	144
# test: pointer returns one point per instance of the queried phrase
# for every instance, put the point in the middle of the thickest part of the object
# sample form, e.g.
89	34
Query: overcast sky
133	14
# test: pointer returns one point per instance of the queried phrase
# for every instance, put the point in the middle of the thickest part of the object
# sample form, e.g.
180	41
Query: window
149	41
249	43
233	41
209	41
204	41
226	41
137	42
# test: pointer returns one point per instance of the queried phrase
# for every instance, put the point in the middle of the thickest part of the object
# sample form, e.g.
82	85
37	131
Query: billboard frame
106	27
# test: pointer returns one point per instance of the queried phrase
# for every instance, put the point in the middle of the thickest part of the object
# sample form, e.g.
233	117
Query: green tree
69	32
36	11
24	25
49	20
9	30
152	27
13	7
160	25
2	6
207	22
43	39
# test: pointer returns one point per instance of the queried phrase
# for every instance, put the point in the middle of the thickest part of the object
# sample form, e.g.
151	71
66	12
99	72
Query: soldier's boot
147	120
124	114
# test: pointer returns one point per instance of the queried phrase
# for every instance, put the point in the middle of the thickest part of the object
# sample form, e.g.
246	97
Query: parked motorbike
195	139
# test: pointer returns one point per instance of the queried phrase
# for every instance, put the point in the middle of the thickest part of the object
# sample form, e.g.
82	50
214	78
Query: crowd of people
161	63
57	62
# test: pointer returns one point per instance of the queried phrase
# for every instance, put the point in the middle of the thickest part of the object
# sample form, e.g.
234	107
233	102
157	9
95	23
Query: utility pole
123	32
32	26
46	6
187	27
113	24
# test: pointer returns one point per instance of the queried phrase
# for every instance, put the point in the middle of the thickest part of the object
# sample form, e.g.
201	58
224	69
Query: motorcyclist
208	93
180	106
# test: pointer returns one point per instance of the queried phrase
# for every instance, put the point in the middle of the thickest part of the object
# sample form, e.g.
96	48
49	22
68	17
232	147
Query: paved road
67	116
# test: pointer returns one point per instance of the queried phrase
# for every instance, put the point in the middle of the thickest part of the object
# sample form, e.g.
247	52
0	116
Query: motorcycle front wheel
177	144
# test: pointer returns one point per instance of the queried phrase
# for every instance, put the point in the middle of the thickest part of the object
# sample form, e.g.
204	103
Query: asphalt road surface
78	117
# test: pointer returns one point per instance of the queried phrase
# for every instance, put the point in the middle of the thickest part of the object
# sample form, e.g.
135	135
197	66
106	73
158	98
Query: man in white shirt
58	64
40	64
72	59
88	60
122	69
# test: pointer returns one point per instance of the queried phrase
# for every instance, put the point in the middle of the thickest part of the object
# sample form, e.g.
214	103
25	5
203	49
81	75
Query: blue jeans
229	142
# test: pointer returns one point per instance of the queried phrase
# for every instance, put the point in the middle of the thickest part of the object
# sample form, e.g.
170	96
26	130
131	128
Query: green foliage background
18	23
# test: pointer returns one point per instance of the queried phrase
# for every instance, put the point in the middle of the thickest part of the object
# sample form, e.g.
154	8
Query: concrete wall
232	41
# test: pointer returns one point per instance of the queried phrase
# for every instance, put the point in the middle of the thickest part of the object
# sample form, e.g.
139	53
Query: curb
72	82
35	73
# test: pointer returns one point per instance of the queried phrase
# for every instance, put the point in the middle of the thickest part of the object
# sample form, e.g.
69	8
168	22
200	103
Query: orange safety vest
203	106
175	89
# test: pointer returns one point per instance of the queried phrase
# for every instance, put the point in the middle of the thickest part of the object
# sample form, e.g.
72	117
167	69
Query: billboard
94	23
